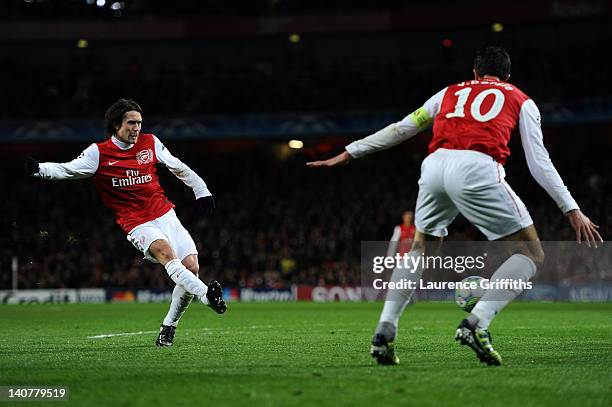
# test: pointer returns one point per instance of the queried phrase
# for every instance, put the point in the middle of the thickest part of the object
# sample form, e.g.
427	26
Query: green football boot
480	341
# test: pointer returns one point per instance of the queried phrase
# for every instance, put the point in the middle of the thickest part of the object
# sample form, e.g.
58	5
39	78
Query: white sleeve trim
538	160
84	166
397	233
393	243
181	170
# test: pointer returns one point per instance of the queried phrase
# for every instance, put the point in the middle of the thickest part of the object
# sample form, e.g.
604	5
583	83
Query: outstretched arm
545	173
390	136
84	166
185	174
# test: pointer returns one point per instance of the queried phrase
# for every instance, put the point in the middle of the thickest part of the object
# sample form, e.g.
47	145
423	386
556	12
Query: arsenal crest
144	156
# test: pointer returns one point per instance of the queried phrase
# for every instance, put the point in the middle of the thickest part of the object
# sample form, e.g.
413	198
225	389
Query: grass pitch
289	354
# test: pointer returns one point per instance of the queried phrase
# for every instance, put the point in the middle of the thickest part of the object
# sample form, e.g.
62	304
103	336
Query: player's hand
207	203
584	228
31	166
340	159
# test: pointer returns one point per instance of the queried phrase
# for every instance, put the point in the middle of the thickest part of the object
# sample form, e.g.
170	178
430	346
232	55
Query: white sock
181	276
180	301
396	300
517	268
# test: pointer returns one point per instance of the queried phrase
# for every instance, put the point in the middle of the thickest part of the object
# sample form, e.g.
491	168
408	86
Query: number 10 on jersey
462	97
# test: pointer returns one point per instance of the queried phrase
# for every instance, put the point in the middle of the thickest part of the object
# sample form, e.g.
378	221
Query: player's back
478	115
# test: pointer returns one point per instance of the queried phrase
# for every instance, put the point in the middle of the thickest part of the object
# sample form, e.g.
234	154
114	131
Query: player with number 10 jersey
464	173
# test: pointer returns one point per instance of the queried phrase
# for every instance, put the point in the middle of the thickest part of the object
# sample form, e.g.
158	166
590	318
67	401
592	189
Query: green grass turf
555	354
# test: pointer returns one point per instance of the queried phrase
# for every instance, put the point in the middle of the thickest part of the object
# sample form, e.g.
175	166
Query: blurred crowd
277	222
85	84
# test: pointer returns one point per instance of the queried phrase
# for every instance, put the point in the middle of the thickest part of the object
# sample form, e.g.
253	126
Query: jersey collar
122	145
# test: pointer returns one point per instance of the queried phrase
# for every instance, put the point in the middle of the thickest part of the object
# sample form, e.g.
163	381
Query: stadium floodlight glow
100	3
497	27
90	1
82	43
297	144
294	38
116	6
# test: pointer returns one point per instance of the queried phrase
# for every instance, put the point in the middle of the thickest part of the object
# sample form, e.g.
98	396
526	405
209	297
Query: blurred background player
124	173
464	173
403	235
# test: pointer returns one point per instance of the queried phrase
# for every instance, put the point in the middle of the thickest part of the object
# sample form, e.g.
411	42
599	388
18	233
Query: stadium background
227	85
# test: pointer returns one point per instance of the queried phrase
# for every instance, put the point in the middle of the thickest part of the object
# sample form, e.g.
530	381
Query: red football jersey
478	115
406	238
128	184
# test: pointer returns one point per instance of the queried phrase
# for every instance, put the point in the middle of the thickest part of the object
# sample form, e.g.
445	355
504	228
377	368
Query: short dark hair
114	114
492	60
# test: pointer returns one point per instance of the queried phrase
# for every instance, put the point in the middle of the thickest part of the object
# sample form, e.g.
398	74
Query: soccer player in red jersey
403	235
124	173
472	123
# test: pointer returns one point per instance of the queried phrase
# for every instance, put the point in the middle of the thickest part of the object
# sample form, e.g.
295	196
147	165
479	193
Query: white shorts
472	183
166	227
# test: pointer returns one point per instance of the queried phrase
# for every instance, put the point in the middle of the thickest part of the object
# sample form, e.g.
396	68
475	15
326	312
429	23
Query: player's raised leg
212	295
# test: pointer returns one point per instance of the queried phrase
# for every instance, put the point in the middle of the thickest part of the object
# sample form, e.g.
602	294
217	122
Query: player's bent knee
426	243
535	252
526	242
162	251
191	264
537	257
194	268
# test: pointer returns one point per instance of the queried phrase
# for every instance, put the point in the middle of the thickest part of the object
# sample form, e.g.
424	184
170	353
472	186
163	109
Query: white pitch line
208	331
122	334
